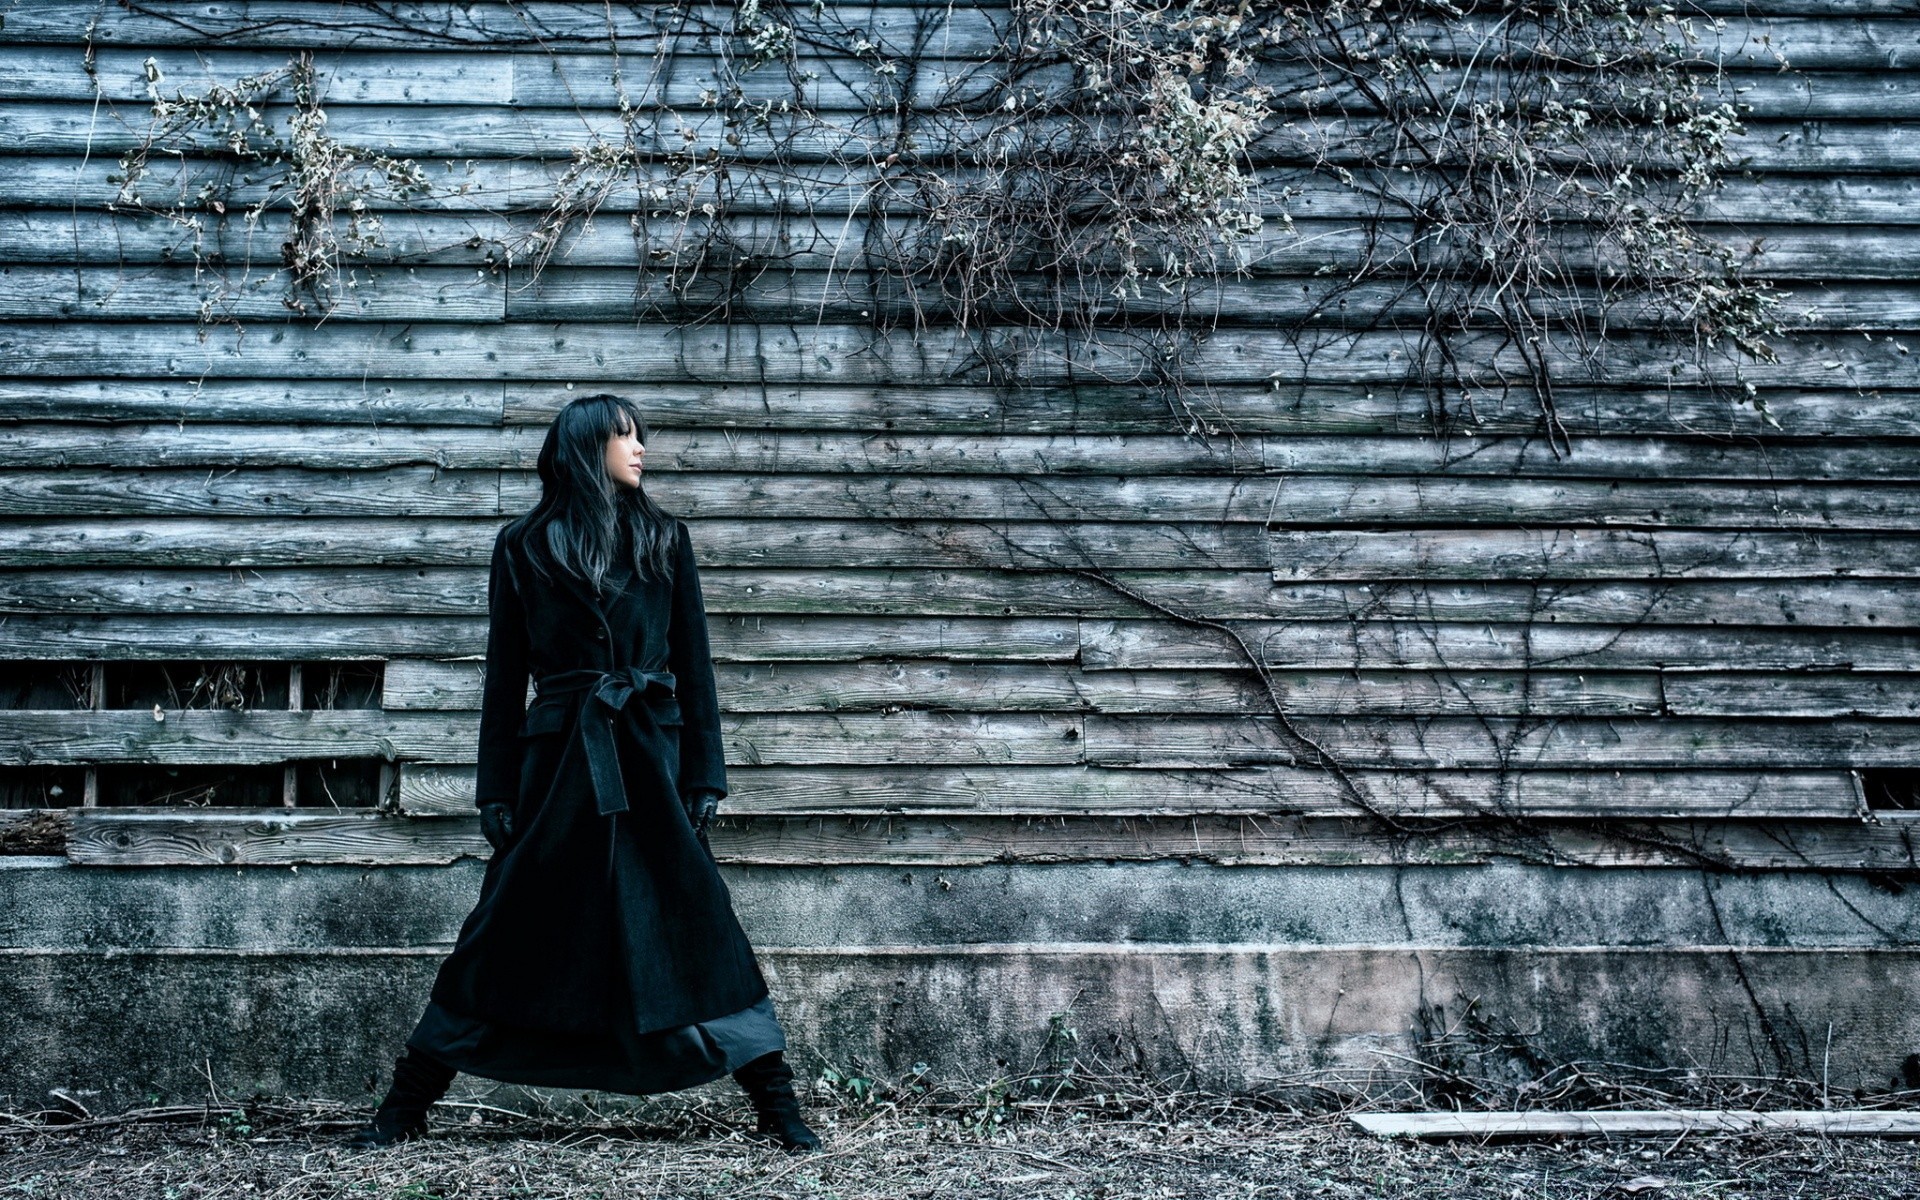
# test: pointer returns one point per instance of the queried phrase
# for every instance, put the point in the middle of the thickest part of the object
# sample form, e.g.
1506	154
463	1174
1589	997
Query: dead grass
694	1146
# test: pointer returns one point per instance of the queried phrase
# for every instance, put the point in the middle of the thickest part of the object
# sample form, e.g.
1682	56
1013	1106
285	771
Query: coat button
599	635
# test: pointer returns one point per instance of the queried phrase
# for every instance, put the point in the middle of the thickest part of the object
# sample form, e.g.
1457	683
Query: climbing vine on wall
1500	189
1524	179
318	191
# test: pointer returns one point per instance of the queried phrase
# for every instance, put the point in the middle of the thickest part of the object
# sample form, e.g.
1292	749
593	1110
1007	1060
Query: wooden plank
1002	686
1461	652
1547	646
1839	603
1310	556
839	87
1879	41
463	239
1293	410
836	85
1849	694
1622	416
755	638
670	450
999	687
343	598
447	789
1326	501
248	542
496	76
164	542
1639	1123
824	353
292	638
373	402
1834	95
222	737
339	447
488	24
61	127
125	838
321	597
1330	502
255	292
39	72
65	182
35	830
396	492
1513	555
1509	556
1227	595
1826	300
905	737
1491	743
1285	259
474	186
678	455
814	638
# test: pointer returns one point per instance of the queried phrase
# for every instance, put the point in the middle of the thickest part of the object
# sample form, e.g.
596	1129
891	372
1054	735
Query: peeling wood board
913	737
1087	407
283	612
43	127
1638	1123
447	789
730	457
810	353
1330	502
68	182
1306	556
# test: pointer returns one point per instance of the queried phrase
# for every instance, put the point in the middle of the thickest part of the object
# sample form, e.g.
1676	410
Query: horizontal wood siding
956	623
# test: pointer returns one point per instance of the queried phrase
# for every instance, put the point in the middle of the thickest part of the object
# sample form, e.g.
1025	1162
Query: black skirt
636	1064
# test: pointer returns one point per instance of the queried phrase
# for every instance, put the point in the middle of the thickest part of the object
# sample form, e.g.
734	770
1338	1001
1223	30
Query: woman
603	952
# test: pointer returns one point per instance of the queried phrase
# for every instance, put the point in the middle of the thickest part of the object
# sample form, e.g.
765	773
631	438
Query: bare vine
1084	186
325	186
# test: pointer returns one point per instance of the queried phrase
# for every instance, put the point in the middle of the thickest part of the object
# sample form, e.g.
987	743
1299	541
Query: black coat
604	907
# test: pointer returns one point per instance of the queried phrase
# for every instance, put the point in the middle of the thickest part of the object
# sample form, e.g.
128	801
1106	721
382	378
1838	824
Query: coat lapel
574	585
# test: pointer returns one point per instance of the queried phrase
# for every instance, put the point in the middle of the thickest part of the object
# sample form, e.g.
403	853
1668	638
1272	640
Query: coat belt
602	696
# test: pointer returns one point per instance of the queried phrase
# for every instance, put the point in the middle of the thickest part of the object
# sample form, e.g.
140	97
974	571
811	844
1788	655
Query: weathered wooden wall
1688	633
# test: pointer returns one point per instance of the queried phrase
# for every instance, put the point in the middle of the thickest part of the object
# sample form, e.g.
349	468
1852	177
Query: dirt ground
1199	1147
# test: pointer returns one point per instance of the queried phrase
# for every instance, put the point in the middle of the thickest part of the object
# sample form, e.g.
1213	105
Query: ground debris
1213	1148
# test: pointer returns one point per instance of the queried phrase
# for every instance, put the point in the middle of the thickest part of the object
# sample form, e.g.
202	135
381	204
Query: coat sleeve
503	698
703	761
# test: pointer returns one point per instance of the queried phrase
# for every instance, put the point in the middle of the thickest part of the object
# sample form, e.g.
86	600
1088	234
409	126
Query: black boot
768	1081
418	1081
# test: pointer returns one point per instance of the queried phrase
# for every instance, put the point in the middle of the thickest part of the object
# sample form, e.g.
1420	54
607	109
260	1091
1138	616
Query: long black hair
584	520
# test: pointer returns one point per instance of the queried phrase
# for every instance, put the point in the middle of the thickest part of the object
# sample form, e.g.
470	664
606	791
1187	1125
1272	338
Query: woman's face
624	452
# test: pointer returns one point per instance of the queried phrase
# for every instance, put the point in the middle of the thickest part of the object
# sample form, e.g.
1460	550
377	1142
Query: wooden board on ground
1638	1123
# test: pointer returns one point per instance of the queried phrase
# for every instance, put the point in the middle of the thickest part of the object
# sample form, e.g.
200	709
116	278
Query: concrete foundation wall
142	983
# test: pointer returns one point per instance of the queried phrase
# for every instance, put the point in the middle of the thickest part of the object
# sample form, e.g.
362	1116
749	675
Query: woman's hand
700	811
496	825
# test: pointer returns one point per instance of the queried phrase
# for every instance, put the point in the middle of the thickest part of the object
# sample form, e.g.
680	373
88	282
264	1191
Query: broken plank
1638	1123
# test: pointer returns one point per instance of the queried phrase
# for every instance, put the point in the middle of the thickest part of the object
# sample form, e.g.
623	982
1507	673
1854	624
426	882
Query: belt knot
602	696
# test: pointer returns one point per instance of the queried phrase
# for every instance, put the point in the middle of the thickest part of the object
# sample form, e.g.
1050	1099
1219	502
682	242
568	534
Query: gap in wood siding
1891	789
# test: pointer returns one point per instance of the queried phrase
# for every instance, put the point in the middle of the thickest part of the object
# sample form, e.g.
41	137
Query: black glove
496	825
706	802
